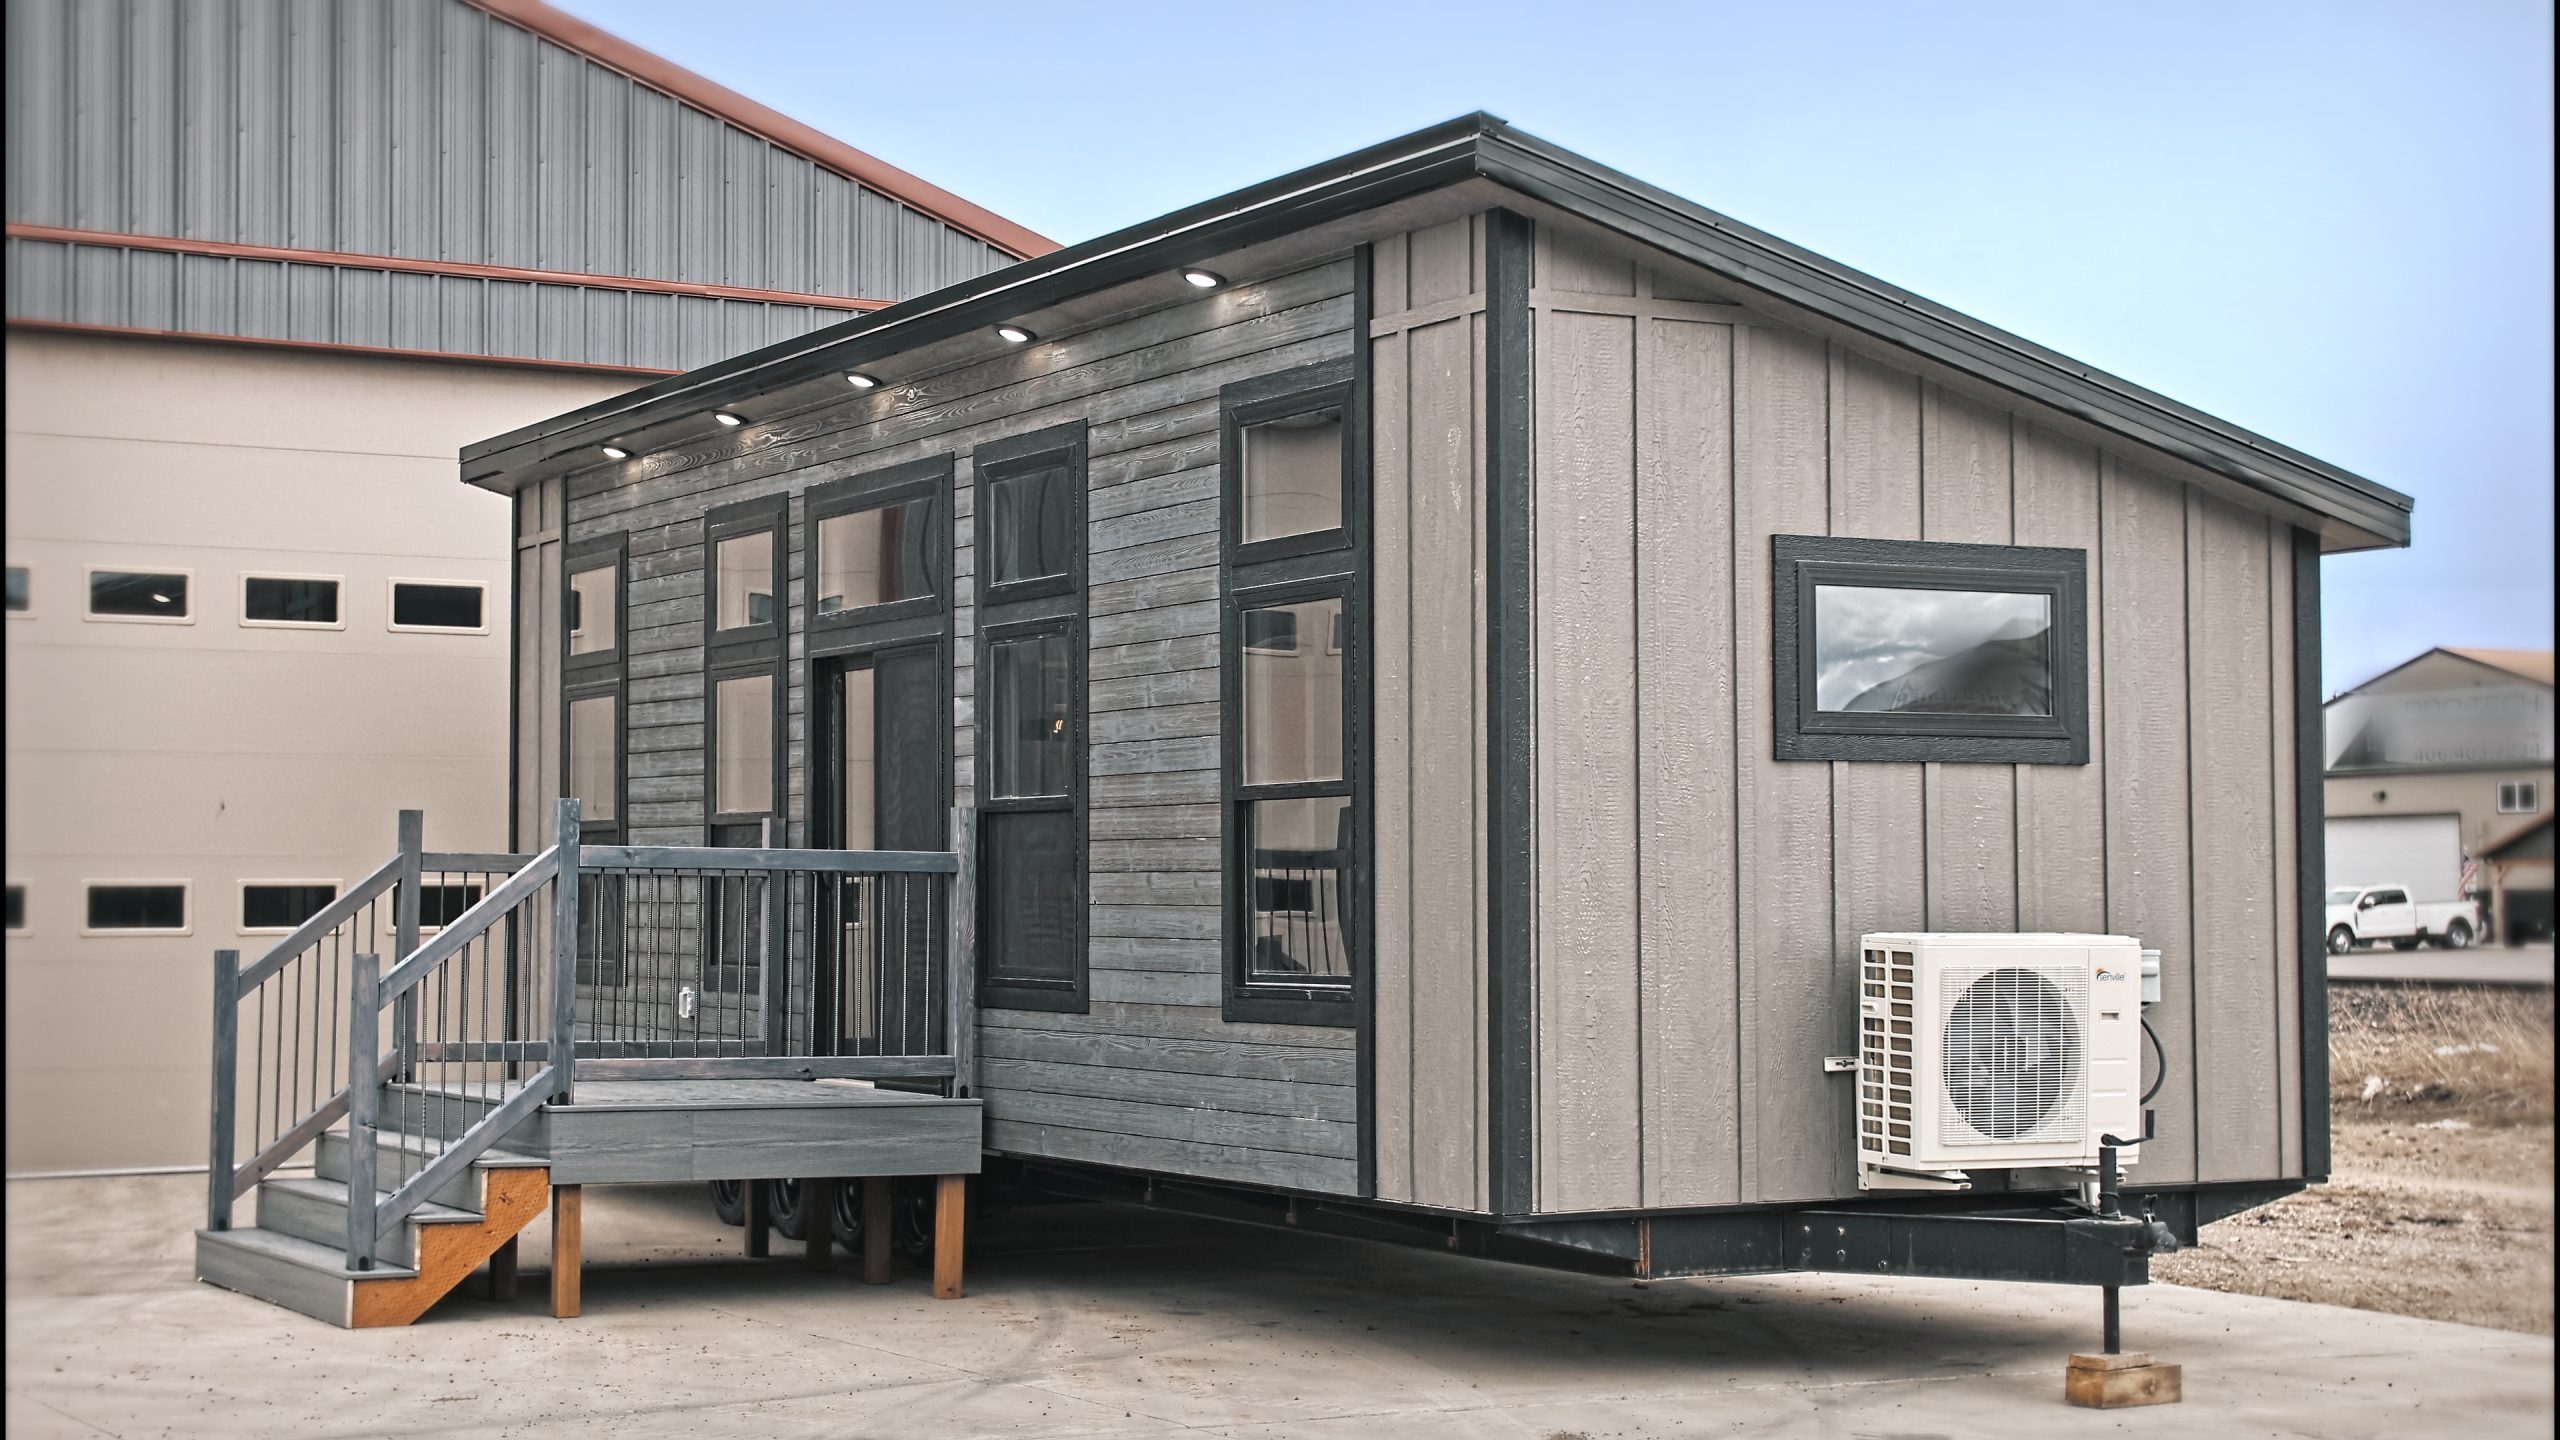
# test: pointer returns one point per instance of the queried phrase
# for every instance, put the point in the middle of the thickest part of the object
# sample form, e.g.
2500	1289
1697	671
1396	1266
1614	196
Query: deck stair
296	1254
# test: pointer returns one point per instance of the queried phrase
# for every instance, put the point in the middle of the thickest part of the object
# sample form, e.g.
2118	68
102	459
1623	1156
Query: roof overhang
2349	511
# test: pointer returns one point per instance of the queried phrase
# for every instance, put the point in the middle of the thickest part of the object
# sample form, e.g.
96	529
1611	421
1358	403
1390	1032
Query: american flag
2470	873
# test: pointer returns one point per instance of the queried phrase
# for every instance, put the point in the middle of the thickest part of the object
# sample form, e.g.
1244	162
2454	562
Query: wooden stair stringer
510	1198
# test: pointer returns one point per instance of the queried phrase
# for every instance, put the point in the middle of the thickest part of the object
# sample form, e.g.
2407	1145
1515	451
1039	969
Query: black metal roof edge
1410	164
1763	262
1482	145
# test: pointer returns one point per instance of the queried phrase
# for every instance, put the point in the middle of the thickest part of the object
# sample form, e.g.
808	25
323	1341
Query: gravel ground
2440	1200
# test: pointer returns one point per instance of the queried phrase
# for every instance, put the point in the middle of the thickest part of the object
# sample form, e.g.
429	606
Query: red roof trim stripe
615	53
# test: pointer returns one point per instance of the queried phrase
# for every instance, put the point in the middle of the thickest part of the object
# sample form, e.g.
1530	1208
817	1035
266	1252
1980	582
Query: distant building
269	269
2439	776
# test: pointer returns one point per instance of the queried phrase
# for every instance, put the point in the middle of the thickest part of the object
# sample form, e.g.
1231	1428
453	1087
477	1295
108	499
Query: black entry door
888	789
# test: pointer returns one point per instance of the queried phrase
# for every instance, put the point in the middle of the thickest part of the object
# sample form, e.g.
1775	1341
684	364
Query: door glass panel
1293	692
1293	476
746	581
591	617
1296	854
859	763
1030	715
1027	526
875	556
743	779
591	758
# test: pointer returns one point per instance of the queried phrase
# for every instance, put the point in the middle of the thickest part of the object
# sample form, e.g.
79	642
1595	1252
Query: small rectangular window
140	595
16	908
1030	519
1293	475
1292	695
1920	650
594	760
1297	853
19	601
289	600
1030	715
1286	442
592	612
440	903
277	906
439	605
1033	934
2520	797
875	556
742	767
744	564
138	907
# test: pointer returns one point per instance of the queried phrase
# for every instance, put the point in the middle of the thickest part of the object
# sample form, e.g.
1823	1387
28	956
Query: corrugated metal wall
423	130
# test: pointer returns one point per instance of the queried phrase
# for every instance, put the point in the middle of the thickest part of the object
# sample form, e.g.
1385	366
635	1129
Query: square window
277	906
1030	524
592	619
1296	856
745	566
1030	716
2520	797
1292	482
140	595
593	767
742	770
451	606
876	556
18	598
1292	695
289	600
1918	650
137	907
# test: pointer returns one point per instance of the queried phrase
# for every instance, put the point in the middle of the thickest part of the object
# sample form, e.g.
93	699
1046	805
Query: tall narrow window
1031	741
592	673
742	656
1290	665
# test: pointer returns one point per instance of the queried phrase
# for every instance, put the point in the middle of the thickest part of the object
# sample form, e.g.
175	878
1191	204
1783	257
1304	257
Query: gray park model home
1445	655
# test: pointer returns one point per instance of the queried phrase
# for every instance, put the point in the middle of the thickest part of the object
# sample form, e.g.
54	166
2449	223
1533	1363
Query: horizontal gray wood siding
1428	611
1698	904
1152	1075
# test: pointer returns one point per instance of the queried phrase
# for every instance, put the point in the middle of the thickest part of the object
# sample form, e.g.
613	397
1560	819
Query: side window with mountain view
1913	650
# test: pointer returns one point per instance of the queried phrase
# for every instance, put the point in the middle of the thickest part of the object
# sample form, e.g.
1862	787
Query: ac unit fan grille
1885	1041
2011	1053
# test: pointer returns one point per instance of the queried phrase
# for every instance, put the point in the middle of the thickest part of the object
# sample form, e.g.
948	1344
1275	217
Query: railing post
404	1010
564	952
777	948
963	960
364	1080
226	1088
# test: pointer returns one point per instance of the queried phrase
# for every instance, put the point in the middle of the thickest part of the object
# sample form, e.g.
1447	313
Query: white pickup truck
2360	914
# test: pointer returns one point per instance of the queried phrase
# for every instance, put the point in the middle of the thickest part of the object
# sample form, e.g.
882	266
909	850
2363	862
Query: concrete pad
1089	1320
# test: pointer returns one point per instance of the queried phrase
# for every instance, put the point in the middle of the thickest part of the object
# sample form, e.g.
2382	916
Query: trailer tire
2457	936
2341	940
782	1197
729	1201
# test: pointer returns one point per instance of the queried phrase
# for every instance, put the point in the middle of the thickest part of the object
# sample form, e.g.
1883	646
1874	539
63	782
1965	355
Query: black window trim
1327	385
186	907
1029	607
1058	445
1799	732
929	479
392	622
599	673
744	651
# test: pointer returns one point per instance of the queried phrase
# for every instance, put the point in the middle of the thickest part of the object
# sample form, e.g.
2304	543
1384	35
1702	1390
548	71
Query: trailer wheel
2408	942
849	1215
783	1198
2341	940
729	1201
2457	936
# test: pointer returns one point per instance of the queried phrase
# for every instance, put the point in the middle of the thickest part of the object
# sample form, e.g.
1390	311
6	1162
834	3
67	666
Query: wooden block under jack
2114	1382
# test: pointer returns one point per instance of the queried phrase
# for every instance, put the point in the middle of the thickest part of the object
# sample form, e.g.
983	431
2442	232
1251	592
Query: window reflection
1293	692
1296	853
1880	650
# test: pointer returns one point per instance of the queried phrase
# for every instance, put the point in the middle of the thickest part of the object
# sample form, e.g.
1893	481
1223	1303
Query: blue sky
2330	223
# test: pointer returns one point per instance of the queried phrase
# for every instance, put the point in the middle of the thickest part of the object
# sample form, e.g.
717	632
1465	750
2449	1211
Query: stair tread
335	1193
420	1145
294	1250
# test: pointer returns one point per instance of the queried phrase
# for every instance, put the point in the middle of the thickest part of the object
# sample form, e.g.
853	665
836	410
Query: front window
742	763
744	564
2344	896
1885	651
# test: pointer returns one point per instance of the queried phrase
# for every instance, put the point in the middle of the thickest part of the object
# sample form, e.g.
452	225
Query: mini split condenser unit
1984	1052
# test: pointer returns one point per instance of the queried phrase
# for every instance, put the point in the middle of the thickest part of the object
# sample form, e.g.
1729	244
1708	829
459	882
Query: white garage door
2423	852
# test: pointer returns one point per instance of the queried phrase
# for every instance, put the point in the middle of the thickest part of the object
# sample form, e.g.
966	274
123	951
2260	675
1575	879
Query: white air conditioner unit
1995	1052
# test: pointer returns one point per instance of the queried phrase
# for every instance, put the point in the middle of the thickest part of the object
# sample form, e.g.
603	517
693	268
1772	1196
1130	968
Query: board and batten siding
1427	616
1698	904
1152	1077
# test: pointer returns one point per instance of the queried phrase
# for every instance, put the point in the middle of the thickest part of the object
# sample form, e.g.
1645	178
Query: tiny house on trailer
1481	703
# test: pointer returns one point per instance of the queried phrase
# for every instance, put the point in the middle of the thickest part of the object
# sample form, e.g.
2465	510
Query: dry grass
2482	1054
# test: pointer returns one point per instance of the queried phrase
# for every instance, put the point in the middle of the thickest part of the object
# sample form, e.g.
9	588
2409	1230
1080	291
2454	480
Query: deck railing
512	976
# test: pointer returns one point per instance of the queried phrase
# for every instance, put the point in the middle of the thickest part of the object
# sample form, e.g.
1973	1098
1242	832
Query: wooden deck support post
950	1215
818	1223
759	1222
565	1257
502	1272
875	1229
